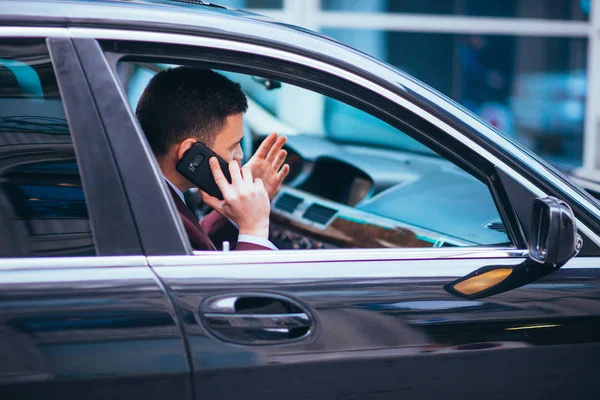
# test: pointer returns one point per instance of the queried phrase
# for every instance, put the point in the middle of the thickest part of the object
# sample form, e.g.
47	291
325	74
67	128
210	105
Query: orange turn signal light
479	283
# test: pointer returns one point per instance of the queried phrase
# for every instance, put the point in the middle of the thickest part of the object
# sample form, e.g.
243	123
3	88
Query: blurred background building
526	66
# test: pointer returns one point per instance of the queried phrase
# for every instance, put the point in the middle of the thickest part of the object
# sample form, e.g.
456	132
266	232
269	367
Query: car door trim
33	32
12	264
238	268
198	41
336	255
318	271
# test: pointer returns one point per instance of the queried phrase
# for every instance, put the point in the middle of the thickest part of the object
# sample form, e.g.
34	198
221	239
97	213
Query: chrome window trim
199	41
33	32
436	270
335	255
33	263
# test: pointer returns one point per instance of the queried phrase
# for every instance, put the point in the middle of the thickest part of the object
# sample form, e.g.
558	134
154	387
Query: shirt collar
176	189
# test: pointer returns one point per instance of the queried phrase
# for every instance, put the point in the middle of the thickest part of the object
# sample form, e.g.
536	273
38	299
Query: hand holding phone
246	201
195	167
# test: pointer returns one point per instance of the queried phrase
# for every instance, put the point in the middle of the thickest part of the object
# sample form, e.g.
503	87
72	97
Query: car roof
161	13
175	17
194	6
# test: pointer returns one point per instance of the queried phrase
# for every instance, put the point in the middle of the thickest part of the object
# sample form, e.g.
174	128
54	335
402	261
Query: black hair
185	102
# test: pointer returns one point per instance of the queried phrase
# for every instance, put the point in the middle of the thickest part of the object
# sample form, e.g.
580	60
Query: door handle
255	318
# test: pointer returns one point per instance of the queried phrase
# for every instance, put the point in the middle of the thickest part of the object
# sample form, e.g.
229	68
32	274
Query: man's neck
174	177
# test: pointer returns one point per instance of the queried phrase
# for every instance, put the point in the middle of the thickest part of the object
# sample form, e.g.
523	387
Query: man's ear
185	146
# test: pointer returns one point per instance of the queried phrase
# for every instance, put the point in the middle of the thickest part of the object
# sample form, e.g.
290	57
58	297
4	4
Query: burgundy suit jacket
214	228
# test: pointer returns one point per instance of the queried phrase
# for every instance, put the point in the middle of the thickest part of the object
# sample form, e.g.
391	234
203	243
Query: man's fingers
247	175
211	201
276	148
279	160
285	170
266	144
234	170
220	179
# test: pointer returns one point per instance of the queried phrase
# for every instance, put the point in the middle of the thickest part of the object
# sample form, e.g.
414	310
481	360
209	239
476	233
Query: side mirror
553	241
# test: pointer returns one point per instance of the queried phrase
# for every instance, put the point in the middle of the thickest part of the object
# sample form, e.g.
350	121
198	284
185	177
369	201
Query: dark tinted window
42	205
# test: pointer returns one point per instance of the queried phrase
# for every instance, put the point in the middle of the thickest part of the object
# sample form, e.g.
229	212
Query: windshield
308	112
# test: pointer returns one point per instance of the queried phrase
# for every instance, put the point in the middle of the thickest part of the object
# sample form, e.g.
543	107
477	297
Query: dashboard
347	196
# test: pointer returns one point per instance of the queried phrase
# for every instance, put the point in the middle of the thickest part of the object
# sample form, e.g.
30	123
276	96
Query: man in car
182	106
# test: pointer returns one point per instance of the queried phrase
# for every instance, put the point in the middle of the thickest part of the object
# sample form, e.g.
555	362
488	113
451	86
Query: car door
374	323
81	313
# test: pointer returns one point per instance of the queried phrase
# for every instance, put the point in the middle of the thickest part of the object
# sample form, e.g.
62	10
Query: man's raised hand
267	163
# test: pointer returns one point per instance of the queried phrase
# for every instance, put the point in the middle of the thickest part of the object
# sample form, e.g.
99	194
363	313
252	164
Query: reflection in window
52	202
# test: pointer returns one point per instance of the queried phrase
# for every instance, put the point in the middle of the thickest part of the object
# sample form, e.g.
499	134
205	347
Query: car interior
355	181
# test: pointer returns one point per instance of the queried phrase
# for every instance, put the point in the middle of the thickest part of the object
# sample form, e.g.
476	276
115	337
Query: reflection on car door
378	324
95	327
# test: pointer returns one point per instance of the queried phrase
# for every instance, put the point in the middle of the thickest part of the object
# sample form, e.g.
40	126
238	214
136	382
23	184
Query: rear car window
43	210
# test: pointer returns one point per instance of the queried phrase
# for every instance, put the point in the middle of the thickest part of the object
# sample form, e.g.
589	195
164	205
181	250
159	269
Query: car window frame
161	39
485	179
493	184
505	154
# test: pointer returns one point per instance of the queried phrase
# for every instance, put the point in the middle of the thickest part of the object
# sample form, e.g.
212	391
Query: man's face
227	143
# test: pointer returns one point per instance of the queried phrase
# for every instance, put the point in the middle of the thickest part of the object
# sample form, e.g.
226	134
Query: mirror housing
553	241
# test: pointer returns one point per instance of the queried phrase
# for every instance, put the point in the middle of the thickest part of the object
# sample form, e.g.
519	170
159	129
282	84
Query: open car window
279	105
355	181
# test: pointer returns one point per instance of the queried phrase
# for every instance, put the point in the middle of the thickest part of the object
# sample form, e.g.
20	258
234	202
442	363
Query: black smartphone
195	167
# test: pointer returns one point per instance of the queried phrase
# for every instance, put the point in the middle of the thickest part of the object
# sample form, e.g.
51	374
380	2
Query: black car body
123	308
